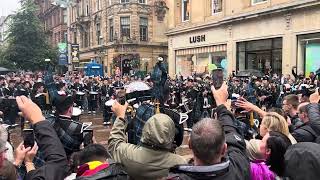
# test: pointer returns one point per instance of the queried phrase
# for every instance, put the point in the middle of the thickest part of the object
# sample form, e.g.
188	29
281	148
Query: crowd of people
259	128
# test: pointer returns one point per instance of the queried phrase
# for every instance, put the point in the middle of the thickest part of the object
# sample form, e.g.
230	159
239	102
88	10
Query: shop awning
199	50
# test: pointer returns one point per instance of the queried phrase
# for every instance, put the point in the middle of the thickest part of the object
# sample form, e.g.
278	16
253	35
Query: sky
8	6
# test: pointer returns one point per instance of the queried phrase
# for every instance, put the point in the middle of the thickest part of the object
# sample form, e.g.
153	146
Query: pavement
101	133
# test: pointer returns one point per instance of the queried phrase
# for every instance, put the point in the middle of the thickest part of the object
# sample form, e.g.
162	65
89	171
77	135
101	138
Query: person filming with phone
56	165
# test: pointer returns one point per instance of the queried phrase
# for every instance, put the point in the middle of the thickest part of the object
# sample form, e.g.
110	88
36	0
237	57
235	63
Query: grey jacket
152	159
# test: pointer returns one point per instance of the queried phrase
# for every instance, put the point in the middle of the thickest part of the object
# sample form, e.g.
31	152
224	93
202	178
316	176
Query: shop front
197	60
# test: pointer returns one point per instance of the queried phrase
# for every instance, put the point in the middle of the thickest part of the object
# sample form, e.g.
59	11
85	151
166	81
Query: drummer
79	88
93	89
38	95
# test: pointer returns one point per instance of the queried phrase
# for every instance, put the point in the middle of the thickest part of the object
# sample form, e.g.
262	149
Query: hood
159	132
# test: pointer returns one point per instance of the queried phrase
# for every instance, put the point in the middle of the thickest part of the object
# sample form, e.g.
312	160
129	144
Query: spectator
309	113
302	161
153	158
8	171
290	106
271	122
273	147
55	166
209	141
96	164
4	138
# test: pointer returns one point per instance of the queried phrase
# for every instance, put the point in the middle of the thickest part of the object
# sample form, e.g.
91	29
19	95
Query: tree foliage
27	44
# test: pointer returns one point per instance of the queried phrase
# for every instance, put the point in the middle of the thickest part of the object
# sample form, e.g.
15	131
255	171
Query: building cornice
245	16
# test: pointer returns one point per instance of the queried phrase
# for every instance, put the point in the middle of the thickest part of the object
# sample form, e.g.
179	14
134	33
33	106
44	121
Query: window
98	34
143	29
65	16
87	10
185	10
258	1
110	2
110	30
85	39
216	6
263	55
143	1
124	1
98	5
125	26
75	37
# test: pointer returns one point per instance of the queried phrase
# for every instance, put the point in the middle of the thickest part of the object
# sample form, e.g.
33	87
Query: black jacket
55	167
113	172
309	131
236	166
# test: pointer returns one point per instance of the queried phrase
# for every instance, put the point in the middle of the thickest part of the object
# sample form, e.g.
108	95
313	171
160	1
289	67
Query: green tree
28	45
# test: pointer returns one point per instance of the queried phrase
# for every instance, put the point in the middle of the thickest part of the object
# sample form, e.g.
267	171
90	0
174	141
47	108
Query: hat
37	85
12	81
306	156
62	102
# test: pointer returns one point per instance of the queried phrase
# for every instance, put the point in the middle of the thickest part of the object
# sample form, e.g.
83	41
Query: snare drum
108	106
80	96
93	95
76	112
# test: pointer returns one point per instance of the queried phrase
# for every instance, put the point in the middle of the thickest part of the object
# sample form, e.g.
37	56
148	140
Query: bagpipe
144	102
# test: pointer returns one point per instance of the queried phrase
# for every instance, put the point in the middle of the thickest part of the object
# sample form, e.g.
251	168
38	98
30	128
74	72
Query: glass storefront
308	53
263	55
186	64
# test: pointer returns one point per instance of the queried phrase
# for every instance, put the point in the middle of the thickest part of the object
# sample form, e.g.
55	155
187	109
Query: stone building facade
128	34
268	35
4	26
54	19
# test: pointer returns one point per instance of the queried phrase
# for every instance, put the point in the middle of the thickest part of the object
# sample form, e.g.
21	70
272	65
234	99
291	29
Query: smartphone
87	137
28	138
217	78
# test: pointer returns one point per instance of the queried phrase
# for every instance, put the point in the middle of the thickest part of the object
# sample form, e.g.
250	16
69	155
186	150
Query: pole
121	60
70	65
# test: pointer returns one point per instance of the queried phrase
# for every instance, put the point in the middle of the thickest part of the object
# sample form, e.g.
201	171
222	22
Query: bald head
303	112
207	140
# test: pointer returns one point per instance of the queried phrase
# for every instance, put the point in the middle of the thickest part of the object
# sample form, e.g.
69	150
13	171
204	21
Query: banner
75	53
63	57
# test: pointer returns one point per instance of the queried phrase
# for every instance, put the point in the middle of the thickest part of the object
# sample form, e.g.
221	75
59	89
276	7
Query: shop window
186	7
111	30
143	29
124	1
264	55
216	6
143	1
125	26
253	2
